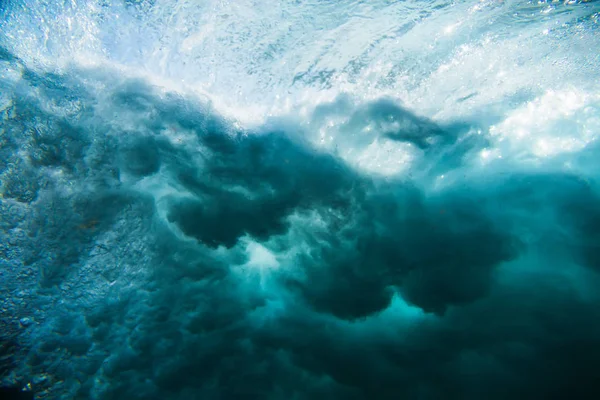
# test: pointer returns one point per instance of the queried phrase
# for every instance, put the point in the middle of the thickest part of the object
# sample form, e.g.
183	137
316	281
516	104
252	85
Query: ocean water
300	199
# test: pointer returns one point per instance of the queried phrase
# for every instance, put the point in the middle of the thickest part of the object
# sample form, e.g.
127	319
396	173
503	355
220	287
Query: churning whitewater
300	199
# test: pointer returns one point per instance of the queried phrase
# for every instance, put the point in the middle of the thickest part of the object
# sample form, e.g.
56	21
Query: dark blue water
238	200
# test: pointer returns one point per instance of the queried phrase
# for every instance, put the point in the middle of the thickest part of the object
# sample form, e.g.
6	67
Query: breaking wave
300	200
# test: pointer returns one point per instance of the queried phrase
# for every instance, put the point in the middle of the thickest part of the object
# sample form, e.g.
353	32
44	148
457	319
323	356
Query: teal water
300	199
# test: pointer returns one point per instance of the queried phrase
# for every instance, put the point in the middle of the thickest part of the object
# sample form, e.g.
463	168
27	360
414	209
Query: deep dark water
152	250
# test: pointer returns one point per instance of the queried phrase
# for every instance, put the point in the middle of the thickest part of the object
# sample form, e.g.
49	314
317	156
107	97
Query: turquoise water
300	199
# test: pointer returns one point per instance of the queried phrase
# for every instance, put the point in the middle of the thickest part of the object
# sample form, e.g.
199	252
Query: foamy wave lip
300	200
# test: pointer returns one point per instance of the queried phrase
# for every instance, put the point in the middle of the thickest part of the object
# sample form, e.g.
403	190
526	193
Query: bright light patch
260	257
550	125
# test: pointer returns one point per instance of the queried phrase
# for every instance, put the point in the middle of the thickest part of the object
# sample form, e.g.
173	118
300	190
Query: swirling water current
300	199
